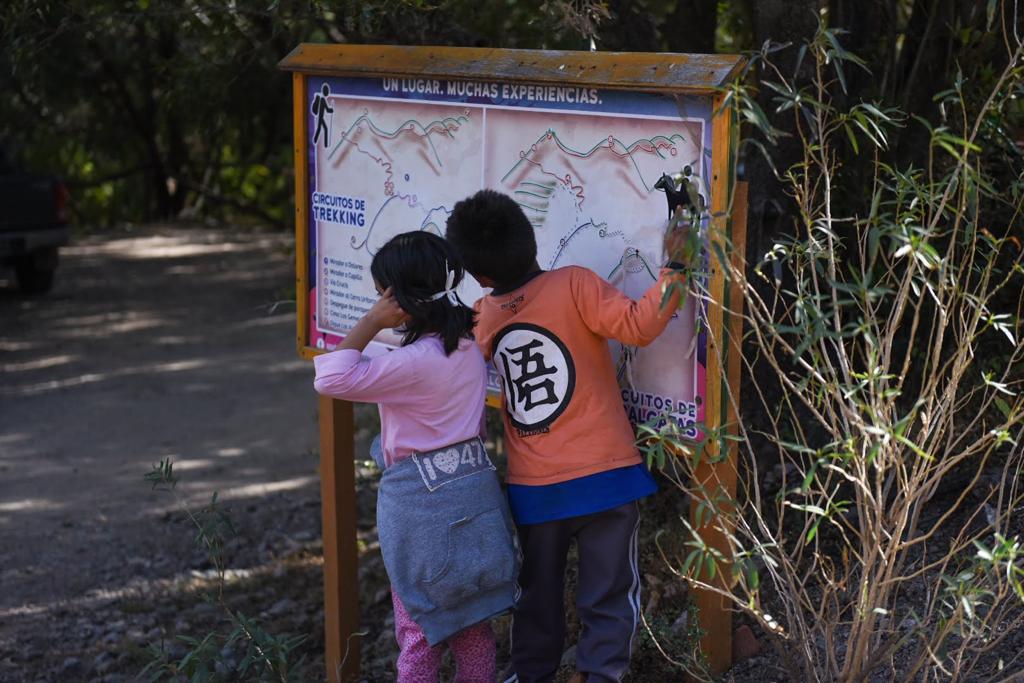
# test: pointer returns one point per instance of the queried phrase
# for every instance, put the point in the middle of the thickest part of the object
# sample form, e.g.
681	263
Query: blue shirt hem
576	497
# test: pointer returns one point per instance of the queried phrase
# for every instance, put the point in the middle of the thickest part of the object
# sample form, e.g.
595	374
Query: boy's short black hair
493	236
415	265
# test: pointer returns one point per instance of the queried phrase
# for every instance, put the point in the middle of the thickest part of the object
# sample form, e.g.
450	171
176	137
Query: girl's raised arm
347	374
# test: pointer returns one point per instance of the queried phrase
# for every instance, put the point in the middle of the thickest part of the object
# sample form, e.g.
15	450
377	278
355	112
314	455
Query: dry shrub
883	339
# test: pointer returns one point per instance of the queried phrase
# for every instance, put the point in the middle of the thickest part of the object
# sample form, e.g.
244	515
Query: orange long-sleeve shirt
548	340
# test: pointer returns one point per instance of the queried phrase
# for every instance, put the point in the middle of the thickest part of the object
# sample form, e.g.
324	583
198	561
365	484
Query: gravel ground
157	342
172	341
178	342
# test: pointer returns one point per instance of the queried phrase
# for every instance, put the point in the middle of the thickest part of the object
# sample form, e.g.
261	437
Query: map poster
390	155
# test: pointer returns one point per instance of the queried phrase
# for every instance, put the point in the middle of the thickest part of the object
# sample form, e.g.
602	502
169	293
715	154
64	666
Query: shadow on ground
165	342
171	342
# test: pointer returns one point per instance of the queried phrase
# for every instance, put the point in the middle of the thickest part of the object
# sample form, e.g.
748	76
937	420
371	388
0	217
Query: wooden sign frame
663	73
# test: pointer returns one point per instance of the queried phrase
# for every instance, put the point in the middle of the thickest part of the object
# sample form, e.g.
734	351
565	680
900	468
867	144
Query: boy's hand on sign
678	244
386	313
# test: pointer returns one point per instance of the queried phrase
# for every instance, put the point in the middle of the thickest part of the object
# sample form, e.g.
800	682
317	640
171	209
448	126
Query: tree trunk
176	157
770	211
691	26
865	23
781	21
630	29
922	71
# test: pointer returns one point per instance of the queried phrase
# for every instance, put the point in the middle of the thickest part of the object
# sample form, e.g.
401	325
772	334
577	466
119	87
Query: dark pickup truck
34	214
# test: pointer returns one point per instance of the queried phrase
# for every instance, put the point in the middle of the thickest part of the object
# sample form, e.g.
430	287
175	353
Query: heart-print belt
449	463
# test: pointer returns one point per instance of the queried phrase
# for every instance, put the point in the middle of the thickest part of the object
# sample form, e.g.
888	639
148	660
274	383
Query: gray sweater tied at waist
447	537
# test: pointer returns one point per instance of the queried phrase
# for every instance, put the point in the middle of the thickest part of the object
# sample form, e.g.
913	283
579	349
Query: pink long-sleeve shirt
426	399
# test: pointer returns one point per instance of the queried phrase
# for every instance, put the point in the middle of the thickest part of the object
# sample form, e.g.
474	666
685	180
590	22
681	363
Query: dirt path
163	342
173	342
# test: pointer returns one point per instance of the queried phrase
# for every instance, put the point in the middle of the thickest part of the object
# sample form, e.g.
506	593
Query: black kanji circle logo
537	375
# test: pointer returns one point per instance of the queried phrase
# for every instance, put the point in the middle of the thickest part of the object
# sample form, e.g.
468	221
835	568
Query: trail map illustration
395	155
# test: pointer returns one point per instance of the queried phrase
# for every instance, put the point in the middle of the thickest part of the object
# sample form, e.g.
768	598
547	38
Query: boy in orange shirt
573	468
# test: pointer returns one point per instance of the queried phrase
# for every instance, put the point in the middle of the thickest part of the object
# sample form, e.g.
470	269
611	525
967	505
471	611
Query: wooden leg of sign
714	611
718	480
338	510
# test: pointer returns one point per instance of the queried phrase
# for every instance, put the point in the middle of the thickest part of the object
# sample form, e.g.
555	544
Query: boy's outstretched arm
610	313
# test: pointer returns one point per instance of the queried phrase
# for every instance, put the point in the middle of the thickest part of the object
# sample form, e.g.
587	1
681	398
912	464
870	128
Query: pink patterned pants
473	651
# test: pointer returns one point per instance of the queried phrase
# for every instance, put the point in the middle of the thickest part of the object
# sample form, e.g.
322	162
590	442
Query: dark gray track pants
607	595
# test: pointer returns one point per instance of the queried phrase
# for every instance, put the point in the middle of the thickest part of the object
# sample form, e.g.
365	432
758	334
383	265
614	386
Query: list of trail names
341	302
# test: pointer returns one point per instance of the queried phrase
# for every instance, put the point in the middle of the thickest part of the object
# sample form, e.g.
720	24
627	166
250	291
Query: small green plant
679	647
267	657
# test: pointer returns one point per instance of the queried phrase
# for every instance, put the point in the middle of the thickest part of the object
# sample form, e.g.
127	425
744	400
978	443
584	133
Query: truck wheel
35	272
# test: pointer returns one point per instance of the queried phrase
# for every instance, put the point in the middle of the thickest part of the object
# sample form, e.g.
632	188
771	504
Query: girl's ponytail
423	271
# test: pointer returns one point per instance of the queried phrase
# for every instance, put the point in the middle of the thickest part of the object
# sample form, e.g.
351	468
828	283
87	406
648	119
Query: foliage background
175	109
155	109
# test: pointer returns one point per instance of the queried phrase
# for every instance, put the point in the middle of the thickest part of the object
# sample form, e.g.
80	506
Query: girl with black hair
422	271
445	531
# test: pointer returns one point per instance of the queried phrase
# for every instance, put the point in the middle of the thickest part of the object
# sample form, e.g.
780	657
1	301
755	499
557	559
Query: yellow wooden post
341	564
715	480
337	449
720	478
735	313
301	217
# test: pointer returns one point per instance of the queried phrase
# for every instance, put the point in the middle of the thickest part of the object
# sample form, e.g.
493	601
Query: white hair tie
448	290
